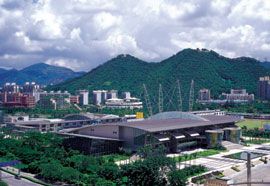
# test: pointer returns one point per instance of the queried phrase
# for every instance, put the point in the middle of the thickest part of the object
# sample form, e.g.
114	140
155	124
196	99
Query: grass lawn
252	123
115	157
200	154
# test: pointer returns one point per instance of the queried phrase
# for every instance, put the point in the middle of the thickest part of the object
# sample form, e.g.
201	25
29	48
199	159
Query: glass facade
92	146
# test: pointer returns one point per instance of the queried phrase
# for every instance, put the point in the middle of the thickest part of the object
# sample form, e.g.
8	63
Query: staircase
230	146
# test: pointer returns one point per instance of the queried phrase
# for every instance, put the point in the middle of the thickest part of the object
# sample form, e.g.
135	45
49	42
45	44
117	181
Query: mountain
208	69
40	73
2	70
266	64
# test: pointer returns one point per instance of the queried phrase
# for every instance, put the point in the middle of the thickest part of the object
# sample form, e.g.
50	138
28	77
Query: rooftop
170	123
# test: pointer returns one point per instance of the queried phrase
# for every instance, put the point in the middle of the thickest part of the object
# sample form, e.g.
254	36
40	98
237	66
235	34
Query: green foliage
2	183
200	154
179	177
148	151
42	154
207	68
36	112
150	171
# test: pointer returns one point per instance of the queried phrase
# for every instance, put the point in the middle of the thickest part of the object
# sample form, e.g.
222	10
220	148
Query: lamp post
248	169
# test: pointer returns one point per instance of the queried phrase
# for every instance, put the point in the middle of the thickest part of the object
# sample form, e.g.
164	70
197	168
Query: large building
83	97
264	88
112	94
175	130
239	95
204	95
99	96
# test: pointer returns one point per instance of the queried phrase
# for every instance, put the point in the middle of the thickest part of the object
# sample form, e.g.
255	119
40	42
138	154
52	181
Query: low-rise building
130	103
22	123
74	99
239	95
177	131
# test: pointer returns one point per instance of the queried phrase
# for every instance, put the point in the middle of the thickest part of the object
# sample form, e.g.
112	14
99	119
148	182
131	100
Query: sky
81	34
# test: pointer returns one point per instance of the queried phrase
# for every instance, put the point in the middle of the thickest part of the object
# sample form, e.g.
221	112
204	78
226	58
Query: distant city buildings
54	100
112	94
235	96
83	97
99	97
11	88
239	95
12	97
74	99
32	89
264	88
110	99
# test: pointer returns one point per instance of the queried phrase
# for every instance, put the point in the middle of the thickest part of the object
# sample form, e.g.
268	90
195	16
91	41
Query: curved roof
176	115
79	116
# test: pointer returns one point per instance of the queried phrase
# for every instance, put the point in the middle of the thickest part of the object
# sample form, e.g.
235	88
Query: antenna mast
191	95
160	98
147	101
180	95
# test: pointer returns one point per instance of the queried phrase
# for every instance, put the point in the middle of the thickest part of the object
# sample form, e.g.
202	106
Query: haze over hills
40	73
207	68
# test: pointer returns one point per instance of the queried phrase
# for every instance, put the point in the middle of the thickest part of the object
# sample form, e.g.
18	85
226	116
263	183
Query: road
11	181
258	173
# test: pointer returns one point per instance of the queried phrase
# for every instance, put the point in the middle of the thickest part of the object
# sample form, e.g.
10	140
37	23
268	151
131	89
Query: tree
109	171
150	171
177	178
2	183
70	175
51	171
151	151
104	182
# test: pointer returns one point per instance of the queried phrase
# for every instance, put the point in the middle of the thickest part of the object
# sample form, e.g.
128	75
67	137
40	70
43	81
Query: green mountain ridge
208	69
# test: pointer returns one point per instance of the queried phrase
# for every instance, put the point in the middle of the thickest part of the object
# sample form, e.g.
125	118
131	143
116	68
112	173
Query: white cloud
105	20
82	34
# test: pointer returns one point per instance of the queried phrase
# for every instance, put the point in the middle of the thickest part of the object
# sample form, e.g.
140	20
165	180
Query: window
114	132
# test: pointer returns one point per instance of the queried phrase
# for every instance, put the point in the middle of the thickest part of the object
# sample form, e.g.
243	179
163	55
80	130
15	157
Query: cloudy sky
82	34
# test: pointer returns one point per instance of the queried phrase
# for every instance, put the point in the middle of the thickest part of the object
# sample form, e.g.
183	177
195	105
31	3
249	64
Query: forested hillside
207	68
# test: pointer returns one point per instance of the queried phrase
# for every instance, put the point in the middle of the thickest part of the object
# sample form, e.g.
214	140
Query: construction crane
160	99
147	101
180	96
191	95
